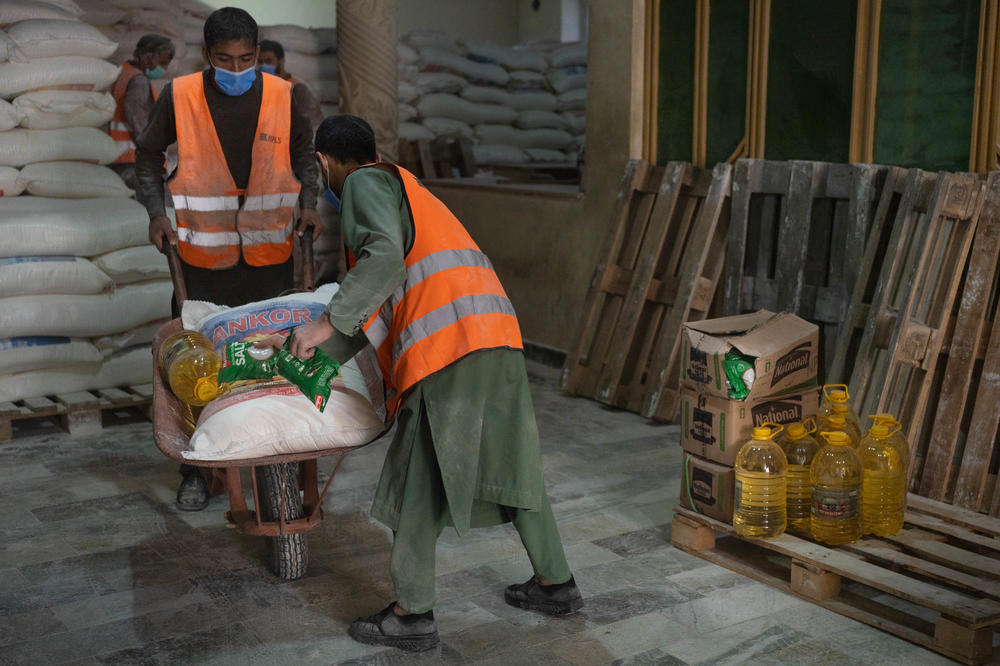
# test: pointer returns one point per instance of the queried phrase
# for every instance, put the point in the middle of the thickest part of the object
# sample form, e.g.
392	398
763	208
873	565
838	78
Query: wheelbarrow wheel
289	555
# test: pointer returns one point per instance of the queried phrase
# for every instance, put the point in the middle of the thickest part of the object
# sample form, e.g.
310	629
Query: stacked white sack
68	226
518	105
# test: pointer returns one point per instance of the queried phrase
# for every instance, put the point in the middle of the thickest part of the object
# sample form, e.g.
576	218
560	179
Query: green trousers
424	515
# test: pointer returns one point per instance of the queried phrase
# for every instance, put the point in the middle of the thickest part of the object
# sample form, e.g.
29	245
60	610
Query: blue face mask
332	199
155	73
234	84
267	69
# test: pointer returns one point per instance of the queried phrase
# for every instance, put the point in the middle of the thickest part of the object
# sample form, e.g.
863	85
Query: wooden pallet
927	264
936	583
796	230
661	268
79	412
904	196
966	408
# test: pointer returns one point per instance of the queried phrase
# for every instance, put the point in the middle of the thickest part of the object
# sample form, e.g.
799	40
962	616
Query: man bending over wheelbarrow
465	451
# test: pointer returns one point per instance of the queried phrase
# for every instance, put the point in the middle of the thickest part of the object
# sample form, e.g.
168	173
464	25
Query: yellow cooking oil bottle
800	448
896	436
836	491
759	498
837	423
836	400
191	366
883	486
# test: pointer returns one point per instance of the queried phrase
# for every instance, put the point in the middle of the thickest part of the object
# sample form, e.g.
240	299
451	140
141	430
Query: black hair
229	24
153	43
274	47
346	138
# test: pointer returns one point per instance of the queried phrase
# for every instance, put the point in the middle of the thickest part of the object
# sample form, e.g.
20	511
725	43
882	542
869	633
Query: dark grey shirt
235	125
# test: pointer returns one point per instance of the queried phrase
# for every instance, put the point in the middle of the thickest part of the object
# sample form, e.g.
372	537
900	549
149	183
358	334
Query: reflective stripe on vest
450	304
212	226
119	129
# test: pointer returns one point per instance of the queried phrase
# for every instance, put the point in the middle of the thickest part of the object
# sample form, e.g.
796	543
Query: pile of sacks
81	289
518	105
311	57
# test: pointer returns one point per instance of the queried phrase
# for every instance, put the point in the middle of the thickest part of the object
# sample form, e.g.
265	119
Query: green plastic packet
242	361
312	376
740	375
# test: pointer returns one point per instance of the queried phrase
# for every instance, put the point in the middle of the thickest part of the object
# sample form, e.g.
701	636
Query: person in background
272	61
134	98
465	451
244	160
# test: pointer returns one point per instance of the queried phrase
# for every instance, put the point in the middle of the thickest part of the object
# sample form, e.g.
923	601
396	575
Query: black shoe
556	599
193	493
413	633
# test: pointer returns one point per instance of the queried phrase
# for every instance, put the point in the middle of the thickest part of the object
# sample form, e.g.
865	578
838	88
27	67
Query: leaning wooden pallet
661	268
964	388
940	248
894	195
674	282
796	229
897	260
78	412
935	567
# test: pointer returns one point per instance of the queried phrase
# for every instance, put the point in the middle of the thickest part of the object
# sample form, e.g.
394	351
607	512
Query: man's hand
305	338
160	229
310	218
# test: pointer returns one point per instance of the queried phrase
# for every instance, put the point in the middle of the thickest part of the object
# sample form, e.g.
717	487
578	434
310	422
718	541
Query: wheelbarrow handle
176	273
308	277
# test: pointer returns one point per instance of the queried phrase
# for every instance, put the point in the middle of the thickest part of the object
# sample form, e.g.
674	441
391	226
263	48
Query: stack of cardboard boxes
782	349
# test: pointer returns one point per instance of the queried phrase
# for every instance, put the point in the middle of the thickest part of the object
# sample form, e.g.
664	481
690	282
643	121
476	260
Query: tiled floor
97	566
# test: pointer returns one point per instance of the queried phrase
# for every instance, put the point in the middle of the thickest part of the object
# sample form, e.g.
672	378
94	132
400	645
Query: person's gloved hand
310	218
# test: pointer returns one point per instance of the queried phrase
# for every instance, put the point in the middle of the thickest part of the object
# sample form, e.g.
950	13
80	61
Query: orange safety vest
120	131
450	305
212	223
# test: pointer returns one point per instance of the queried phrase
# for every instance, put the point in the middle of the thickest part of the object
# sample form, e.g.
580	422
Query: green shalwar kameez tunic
465	451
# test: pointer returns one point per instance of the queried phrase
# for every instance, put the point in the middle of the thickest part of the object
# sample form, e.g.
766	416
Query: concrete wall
545	247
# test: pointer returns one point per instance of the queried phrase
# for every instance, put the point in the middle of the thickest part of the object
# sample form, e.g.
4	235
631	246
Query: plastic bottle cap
839	408
837	420
796	431
838	396
837	438
761	433
205	389
879	430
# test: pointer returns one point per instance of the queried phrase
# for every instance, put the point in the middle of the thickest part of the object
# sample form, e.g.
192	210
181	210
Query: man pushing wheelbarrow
465	451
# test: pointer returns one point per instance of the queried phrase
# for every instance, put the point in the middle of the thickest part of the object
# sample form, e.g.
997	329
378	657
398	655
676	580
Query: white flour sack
134	264
12	11
24	276
19	147
84	227
294	38
40	352
63	72
141	335
47	38
276	418
10	186
9	116
129	368
73	180
55	109
85	315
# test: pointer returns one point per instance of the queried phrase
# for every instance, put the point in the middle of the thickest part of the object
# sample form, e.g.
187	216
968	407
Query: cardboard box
715	428
784	347
707	487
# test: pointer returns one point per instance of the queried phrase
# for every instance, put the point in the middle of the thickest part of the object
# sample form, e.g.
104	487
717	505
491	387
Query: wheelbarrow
287	501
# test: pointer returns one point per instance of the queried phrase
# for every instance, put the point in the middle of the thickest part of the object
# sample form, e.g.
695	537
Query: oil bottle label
835	503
